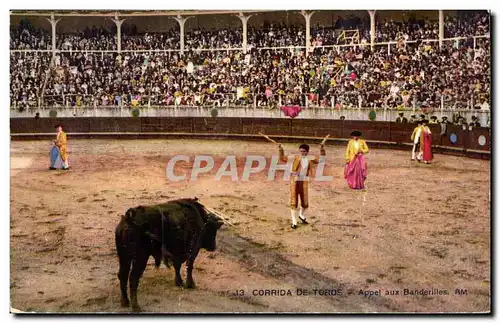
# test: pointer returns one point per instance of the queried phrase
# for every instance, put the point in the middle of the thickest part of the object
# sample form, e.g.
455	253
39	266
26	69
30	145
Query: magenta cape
355	173
291	110
427	147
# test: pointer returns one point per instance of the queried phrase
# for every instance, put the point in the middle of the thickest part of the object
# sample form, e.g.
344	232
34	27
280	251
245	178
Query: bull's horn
218	215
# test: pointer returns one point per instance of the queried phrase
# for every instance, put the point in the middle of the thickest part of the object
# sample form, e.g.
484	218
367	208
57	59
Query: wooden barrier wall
455	137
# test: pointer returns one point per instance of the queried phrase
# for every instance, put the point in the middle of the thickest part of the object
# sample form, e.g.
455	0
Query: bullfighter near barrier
58	153
301	162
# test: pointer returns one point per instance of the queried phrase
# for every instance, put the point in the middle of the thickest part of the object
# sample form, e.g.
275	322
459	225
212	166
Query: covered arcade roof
125	13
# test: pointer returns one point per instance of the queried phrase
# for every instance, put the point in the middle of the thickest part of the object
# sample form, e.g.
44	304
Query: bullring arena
417	240
417	226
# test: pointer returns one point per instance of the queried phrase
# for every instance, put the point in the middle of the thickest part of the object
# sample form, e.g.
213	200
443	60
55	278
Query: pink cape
355	173
291	110
427	147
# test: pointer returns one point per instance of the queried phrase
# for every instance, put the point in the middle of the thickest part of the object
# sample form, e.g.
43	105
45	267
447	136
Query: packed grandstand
406	64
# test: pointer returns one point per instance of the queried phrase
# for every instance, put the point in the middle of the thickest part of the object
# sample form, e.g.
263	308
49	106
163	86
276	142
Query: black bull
174	231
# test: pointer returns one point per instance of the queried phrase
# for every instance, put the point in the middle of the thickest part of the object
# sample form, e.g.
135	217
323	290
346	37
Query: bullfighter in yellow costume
299	186
416	138
61	142
356	168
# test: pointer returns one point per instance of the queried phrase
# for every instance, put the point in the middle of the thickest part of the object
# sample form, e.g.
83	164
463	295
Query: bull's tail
117	237
121	234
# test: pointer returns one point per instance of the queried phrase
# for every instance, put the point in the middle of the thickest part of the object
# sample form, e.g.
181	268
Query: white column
244	22
53	23
441	28
372	28
307	16
182	21
118	24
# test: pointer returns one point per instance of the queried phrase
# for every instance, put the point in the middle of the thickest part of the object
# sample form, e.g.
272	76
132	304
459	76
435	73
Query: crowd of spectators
25	36
204	39
277	35
467	24
26	75
386	31
89	39
410	75
457	119
152	41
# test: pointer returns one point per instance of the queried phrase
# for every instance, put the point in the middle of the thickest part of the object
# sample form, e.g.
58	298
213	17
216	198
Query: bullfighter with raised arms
299	182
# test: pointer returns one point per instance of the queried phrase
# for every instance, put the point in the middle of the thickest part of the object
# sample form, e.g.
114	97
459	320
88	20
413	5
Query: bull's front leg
138	267
189	265
177	266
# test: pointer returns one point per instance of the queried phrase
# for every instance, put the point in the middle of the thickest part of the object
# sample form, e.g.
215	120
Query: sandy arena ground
416	227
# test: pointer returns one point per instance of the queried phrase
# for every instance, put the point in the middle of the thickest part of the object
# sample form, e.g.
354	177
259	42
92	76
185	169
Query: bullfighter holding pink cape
356	169
425	144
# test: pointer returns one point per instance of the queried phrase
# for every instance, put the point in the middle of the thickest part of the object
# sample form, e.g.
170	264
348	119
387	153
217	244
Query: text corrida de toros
297	292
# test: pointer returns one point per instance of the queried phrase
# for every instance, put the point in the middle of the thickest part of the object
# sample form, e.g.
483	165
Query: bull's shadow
258	258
